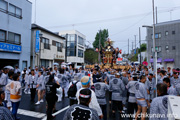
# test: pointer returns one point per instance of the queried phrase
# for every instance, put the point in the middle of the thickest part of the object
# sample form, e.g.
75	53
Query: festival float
110	57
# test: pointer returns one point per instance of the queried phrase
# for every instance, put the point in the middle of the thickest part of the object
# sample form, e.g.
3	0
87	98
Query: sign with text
37	41
10	47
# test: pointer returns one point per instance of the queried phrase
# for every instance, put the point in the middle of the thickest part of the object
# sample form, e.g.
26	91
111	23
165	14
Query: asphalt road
29	111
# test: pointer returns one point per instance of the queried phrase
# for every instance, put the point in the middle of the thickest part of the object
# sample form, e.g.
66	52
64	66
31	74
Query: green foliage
91	56
143	47
134	58
104	35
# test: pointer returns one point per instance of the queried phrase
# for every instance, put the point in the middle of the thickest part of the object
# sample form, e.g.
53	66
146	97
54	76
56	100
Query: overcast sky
131	15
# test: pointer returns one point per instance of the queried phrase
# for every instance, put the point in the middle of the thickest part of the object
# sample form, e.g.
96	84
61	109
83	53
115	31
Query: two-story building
15	33
167	37
75	46
47	47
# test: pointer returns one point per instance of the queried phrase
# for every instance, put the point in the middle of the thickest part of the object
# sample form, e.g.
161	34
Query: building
47	47
15	33
75	47
167	44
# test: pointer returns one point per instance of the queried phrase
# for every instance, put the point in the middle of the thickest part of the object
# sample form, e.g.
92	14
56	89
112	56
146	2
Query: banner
37	41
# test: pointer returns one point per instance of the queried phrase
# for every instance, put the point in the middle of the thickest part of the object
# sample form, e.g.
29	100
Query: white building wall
19	26
47	54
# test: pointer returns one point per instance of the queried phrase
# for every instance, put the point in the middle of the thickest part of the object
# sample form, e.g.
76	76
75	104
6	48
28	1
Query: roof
35	26
168	22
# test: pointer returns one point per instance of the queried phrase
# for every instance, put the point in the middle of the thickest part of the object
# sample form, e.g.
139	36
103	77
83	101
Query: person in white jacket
86	82
15	94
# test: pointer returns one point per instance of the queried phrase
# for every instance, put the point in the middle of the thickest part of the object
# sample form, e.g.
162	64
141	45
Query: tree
143	47
91	56
104	35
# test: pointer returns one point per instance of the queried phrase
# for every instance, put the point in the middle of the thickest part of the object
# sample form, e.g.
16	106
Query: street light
154	44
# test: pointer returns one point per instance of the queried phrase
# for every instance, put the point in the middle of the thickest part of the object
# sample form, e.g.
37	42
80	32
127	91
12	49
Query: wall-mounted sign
37	41
59	56
10	47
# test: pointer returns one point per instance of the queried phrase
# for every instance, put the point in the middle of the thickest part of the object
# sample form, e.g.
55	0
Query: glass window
2	35
159	35
173	47
80	53
167	47
59	46
159	48
12	9
173	32
80	40
3	5
18	11
45	63
11	37
17	39
166	33
14	38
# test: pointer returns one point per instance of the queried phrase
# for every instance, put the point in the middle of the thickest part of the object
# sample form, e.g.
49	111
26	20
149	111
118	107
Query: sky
122	18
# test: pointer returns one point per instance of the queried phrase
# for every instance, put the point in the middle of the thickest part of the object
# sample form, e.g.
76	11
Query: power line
111	19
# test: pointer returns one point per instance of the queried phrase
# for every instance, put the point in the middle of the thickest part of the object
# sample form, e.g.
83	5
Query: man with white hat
86	83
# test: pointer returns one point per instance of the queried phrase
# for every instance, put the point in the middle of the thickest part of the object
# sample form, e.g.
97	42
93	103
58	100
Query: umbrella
9	67
56	64
145	63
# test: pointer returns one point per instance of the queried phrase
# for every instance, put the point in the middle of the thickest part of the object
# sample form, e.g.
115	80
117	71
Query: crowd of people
133	92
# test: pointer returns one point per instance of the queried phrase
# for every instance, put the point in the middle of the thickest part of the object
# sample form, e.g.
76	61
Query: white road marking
31	113
56	113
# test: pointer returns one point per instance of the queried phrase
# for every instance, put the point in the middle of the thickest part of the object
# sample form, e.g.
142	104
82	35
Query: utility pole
156	16
135	41
128	46
66	48
99	47
132	45
35	13
154	45
140	43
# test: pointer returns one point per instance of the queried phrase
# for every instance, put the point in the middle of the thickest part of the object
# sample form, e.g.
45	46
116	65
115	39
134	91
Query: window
3	5
46	43
173	47
59	46
158	35
80	40
158	48
15	11
45	63
80	53
14	38
167	47
71	45
173	32
2	35
166	33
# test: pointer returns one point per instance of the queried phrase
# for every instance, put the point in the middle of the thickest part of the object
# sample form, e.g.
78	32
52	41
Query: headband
86	82
84	96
